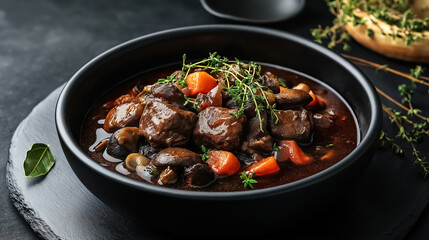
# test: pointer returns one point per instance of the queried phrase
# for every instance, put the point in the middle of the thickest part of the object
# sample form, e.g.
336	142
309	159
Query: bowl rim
365	145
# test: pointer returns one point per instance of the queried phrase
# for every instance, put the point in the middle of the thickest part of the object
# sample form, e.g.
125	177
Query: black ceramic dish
254	11
197	212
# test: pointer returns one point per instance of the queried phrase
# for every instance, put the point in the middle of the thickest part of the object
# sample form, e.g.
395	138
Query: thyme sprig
193	102
412	125
172	79
243	81
394	12
247	179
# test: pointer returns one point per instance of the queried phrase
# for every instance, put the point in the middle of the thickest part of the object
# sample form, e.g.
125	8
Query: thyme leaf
247	179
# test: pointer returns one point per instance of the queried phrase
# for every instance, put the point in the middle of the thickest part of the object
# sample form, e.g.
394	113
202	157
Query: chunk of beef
176	158
257	139
164	125
124	115
249	108
212	98
177	75
169	93
163	92
270	82
292	125
292	98
219	128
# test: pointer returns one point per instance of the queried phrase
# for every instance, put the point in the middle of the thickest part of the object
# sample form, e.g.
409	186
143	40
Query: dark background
43	43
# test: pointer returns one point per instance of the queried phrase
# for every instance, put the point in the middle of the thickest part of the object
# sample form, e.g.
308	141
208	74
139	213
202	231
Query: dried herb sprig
394	12
412	126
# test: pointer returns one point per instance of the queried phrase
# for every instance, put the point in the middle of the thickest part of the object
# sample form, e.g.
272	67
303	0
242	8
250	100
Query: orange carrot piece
200	82
296	154
223	162
264	167
282	88
314	102
329	155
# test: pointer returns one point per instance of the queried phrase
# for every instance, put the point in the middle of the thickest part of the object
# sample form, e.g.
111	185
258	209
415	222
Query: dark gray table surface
42	43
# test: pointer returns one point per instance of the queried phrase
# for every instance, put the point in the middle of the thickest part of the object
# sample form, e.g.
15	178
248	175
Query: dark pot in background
283	206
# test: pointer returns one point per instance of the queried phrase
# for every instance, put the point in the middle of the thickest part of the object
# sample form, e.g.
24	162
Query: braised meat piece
219	128
292	98
249	108
292	125
257	139
169	93
164	125
212	98
124	115
270	82
176	158
163	92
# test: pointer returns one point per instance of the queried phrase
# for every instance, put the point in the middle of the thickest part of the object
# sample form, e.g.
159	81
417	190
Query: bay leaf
38	161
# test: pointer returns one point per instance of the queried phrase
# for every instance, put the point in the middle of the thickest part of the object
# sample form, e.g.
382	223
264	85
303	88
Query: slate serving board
385	204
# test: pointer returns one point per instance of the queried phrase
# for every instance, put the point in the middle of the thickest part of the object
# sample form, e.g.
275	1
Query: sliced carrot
295	153
329	155
314	102
282	88
264	167
223	162
200	82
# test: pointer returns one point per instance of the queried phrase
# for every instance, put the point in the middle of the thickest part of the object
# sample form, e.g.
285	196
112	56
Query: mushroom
129	138
303	87
177	158
199	175
135	159
122	142
168	176
292	98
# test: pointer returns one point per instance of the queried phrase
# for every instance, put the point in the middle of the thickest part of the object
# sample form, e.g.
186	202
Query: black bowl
199	212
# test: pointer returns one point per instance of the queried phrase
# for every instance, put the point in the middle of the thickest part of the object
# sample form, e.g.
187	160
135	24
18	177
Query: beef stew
220	125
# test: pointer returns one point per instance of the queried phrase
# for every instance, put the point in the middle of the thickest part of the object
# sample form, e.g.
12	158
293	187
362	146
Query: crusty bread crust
417	51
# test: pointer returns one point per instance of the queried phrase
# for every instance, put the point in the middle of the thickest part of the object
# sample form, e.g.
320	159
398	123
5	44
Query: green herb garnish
275	147
244	82
152	170
172	79
204	155
194	102
247	179
38	160
168	79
